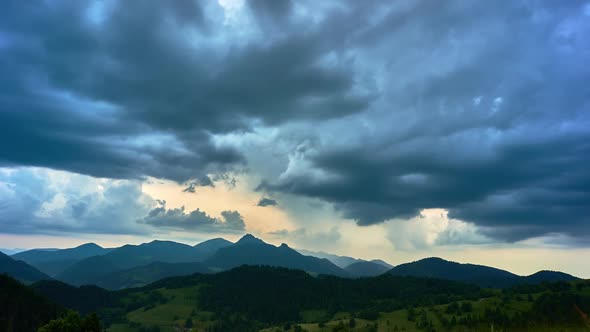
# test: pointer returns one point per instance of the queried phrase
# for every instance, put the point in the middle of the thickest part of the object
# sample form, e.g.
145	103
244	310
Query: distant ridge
481	275
366	269
340	261
53	262
20	270
91	269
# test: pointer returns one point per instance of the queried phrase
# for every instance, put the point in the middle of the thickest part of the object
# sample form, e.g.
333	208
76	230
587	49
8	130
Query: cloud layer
381	109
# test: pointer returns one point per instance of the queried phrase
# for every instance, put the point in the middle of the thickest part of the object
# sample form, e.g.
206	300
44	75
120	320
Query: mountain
53	262
439	268
382	262
87	271
366	269
208	248
93	269
250	250
22	309
481	275
20	270
340	261
143	275
548	276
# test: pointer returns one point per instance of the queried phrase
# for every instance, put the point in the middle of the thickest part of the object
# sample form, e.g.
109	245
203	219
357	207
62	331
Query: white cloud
43	201
432	228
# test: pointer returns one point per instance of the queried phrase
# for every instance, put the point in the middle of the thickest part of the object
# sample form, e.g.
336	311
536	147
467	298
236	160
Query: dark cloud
470	121
275	12
203	181
267	202
97	90
196	220
476	107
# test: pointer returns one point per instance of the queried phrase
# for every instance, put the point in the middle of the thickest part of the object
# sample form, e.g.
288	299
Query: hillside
22	309
88	271
85	299
255	298
250	250
143	275
20	270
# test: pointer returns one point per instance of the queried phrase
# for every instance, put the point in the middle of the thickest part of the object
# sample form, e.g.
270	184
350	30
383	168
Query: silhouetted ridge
250	239
20	270
484	276
250	250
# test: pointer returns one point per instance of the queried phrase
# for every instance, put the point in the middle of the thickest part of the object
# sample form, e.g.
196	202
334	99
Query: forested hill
22	309
481	275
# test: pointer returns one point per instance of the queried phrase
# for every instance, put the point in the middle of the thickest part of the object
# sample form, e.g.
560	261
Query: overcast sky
377	129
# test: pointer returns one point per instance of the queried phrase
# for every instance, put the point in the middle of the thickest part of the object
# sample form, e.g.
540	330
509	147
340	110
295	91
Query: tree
352	322
188	323
72	322
466	307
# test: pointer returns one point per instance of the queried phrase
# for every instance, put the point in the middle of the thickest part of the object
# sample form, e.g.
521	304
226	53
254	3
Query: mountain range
138	265
54	261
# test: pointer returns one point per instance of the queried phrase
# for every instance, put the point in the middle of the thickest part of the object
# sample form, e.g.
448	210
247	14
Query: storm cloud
491	128
96	91
380	109
263	202
196	220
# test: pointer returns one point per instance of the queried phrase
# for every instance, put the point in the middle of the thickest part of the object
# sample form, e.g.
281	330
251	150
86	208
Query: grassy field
170	314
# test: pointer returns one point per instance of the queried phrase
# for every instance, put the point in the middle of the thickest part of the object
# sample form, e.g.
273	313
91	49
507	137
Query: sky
377	129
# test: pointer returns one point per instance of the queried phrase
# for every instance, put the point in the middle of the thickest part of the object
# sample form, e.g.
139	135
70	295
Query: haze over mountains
138	265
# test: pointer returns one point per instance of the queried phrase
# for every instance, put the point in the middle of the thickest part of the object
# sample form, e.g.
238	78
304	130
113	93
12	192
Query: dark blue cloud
92	86
494	129
263	202
481	108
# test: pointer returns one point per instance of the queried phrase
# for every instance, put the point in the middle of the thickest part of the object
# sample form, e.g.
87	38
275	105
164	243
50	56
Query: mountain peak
249	238
283	245
89	245
433	259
